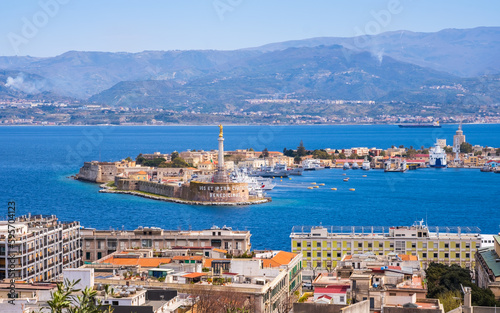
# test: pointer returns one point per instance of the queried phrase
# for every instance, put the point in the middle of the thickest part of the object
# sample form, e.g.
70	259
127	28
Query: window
424	245
308	254
467	255
99	255
308	244
380	245
115	302
457	255
369	245
339	254
467	245
435	255
299	244
413	245
446	245
360	244
391	245
348	245
446	255
329	255
392	294
318	254
457	245
318	244
328	244
342	299
435	245
424	255
87	256
339	245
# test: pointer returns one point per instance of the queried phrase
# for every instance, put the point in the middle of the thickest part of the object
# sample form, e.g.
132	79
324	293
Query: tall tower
220	174
458	139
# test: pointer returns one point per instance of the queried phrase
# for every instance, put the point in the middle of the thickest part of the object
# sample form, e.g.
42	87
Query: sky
45	28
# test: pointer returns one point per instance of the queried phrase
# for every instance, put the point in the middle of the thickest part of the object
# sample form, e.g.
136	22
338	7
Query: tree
174	155
140	159
342	156
321	154
448	149
410	153
450	300
442	278
265	153
64	300
212	301
128	159
478	153
301	150
465	147
382	153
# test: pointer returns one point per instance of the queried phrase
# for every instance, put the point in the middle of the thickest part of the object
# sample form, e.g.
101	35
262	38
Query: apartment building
41	248
322	247
98	243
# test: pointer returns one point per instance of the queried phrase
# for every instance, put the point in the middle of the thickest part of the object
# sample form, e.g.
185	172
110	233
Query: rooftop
490	256
143	262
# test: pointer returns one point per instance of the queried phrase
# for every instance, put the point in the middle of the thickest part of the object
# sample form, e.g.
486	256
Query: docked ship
366	165
346	166
395	165
421	125
279	170
437	156
355	165
312	165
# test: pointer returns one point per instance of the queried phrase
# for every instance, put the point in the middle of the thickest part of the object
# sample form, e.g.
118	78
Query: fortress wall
88	172
160	189
216	192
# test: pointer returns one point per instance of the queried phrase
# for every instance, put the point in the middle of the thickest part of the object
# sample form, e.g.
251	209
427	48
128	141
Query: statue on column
220	132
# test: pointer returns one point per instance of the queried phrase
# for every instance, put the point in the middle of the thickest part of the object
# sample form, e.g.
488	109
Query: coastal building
459	137
42	248
265	284
323	247
488	267
98	243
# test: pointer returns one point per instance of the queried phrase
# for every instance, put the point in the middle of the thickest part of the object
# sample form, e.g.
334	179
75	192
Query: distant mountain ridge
462	52
450	66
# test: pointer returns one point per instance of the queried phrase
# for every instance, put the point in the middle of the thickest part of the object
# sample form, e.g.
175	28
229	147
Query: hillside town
150	269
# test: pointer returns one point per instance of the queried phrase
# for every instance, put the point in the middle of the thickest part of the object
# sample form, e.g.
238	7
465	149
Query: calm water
37	160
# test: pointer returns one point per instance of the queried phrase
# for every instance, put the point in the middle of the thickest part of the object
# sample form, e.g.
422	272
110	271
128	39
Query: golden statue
220	133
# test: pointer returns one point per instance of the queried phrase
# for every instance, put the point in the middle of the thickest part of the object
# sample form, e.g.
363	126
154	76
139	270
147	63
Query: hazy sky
52	27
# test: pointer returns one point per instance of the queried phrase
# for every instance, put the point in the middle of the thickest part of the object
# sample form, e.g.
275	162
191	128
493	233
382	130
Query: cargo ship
421	125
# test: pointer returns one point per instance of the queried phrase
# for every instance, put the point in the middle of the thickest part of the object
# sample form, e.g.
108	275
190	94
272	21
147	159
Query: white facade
85	275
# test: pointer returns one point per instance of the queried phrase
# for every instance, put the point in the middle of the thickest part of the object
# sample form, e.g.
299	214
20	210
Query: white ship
355	165
366	165
437	156
395	165
346	166
312	165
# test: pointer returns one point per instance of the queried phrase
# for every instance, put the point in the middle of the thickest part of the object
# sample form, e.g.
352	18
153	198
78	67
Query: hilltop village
219	177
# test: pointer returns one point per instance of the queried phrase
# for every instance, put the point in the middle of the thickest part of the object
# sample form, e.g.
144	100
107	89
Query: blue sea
36	162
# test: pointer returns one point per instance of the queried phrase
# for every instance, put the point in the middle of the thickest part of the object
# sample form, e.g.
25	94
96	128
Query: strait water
36	161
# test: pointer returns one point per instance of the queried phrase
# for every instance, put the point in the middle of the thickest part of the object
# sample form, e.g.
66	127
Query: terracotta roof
408	257
220	250
207	263
141	173
270	263
331	289
188	257
284	257
143	262
194	275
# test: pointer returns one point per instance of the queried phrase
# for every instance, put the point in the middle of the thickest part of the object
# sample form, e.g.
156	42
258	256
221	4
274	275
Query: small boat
309	187
346	179
334	188
313	183
316	187
321	184
364	175
352	189
344	174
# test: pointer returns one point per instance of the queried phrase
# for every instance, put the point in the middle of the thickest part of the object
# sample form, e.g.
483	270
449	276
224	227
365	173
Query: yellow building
323	247
141	175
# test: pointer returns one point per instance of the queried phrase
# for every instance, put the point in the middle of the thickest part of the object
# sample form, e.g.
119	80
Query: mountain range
449	67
